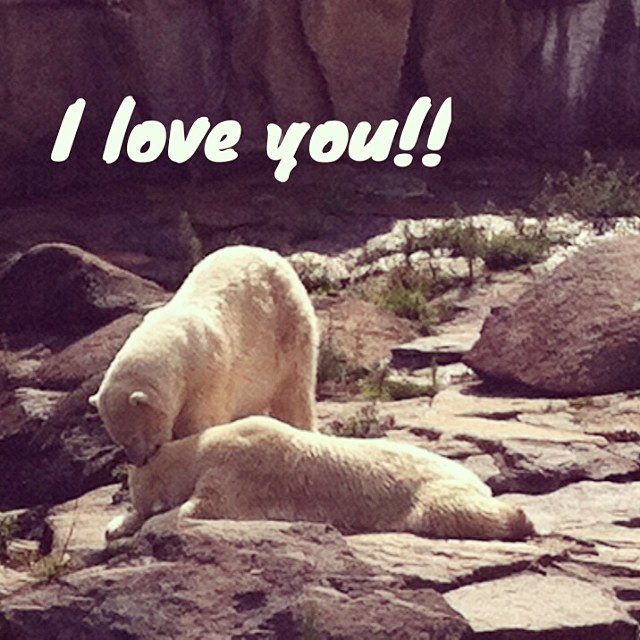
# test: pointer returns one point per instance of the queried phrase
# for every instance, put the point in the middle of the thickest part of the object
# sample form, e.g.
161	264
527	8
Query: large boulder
273	74
574	332
61	289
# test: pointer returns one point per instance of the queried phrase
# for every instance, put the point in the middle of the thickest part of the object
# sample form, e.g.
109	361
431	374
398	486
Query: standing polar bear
238	338
259	468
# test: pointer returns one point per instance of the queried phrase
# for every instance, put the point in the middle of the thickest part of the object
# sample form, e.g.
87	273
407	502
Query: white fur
259	468
238	338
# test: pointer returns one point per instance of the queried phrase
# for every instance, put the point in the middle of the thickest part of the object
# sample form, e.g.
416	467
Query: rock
540	467
452	563
574	332
432	350
359	329
515	62
67	369
229	579
360	48
273	75
64	290
78	525
476	65
53	445
596	511
57	456
168	56
317	271
542	606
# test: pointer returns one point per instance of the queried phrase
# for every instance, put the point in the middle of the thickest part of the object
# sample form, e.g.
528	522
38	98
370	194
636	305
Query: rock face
575	332
230	580
535	72
360	47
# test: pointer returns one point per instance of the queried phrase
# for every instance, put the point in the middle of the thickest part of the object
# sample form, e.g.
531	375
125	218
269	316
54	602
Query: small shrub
8	528
378	385
188	240
335	370
409	293
51	566
597	191
364	423
507	251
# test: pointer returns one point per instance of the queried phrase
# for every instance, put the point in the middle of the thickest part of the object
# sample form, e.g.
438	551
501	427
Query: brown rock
62	289
360	47
229	580
575	332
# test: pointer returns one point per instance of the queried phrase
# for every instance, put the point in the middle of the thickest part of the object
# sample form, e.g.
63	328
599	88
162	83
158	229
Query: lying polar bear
259	468
238	338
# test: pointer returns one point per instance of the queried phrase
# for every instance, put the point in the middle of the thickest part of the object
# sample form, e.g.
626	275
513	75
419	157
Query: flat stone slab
79	524
547	606
424	352
605	511
419	415
447	564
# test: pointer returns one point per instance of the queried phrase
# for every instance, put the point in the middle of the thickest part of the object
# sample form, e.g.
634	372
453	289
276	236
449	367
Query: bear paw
123	525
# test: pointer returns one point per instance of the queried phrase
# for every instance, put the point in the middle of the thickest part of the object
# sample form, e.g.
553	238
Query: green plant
8	528
409	293
597	191
51	566
364	423
334	368
188	240
378	385
507	251
57	562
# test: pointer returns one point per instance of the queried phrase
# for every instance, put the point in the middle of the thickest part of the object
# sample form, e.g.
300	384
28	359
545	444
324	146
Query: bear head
135	419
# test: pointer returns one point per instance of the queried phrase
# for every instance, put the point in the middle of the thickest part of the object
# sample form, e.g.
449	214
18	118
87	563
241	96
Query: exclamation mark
438	135
411	131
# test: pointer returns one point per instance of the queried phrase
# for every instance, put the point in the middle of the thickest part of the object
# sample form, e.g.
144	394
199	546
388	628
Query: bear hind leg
461	512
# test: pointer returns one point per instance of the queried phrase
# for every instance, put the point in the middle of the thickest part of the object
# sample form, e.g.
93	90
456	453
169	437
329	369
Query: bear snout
140	453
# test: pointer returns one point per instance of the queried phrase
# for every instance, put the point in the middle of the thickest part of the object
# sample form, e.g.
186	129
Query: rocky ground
571	460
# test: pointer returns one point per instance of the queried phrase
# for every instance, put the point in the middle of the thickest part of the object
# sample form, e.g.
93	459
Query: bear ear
93	400
138	398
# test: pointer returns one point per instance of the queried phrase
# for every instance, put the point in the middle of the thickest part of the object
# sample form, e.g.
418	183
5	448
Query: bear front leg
125	524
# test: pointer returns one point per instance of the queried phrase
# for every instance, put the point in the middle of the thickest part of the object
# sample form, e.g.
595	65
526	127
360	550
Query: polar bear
238	338
259	468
